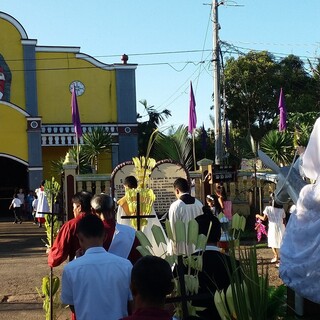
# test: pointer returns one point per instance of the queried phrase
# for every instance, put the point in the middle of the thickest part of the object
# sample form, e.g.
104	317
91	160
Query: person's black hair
277	205
131	182
102	203
216	202
91	226
152	278
204	222
273	202
83	198
182	184
42	183
222	190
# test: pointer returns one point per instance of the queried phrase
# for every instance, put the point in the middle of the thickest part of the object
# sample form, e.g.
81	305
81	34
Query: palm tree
146	128
176	146
95	143
57	166
278	146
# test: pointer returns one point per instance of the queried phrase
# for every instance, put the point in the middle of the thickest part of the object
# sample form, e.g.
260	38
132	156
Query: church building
35	106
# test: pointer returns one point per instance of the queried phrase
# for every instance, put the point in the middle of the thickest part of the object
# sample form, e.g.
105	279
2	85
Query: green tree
57	166
176	146
204	144
316	76
253	85
96	142
299	85
250	92
278	146
145	128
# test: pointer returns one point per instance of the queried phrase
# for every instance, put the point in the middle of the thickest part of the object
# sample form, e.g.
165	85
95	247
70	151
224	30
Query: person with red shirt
66	243
151	282
120	239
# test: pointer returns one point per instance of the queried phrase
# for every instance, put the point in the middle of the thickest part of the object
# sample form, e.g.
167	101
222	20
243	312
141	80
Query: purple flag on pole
283	113
192	111
75	114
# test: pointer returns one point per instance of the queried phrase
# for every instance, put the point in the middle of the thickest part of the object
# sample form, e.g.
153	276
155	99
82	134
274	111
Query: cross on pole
139	216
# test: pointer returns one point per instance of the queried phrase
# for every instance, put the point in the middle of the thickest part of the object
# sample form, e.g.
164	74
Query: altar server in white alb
185	208
43	205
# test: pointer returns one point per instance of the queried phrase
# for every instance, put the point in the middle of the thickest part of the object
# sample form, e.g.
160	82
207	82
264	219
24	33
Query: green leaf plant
44	293
52	189
192	264
249	296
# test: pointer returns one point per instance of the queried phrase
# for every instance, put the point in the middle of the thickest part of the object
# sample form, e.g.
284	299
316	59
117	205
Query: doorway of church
13	176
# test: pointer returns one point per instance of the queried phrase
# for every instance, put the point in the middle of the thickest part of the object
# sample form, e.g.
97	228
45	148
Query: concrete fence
246	193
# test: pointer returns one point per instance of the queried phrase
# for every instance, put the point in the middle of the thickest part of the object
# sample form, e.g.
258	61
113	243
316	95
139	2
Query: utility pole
216	84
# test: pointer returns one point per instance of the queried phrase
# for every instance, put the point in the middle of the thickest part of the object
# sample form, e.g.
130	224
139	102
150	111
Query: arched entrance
13	174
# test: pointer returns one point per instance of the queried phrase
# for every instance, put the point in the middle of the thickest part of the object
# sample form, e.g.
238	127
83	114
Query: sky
171	40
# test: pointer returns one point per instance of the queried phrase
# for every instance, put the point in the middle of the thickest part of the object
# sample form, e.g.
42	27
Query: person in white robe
42	206
185	208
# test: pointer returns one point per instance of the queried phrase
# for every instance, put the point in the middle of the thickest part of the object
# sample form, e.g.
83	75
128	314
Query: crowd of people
31	206
106	276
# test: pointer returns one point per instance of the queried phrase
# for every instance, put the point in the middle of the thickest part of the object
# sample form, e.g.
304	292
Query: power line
184	84
168	53
73	57
203	49
170	64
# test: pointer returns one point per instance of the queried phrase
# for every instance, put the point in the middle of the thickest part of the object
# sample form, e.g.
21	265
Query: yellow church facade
35	105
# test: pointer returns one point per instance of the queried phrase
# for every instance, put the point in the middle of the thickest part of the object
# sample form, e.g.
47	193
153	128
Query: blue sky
169	39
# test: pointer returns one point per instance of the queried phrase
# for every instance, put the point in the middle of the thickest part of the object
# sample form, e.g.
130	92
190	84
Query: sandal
274	260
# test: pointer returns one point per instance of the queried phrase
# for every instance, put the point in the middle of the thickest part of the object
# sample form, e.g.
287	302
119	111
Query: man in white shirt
97	284
185	208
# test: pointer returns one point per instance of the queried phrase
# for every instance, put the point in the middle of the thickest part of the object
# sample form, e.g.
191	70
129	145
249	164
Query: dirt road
23	264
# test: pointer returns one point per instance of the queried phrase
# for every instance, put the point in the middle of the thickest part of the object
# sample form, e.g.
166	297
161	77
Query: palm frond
278	146
95	143
176	146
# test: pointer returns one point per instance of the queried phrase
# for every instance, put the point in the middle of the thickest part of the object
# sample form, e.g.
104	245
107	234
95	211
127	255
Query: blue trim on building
127	113
128	147
35	178
126	96
34	136
29	56
115	156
